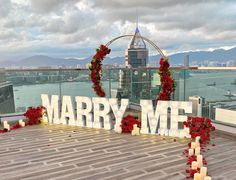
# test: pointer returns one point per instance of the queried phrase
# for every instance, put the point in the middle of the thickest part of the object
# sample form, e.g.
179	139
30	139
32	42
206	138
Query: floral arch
167	82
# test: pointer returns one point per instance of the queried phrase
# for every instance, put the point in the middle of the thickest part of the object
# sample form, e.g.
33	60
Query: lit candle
21	123
190	152
203	171
199	161
135	130
207	178
6	125
197	140
193	145
194	165
197	176
197	150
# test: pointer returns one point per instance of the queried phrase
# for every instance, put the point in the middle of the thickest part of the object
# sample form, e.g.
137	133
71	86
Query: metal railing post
131	84
60	94
184	84
109	74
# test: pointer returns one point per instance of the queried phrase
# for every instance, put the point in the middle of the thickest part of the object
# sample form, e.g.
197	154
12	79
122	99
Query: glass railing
209	89
216	91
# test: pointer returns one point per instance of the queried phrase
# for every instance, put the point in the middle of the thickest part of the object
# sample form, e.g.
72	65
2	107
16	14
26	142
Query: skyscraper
137	54
134	83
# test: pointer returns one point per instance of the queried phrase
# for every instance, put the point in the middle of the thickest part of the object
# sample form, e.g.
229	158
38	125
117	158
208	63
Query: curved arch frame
146	39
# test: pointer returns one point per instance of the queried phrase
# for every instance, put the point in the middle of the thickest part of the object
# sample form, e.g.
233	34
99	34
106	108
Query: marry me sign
97	112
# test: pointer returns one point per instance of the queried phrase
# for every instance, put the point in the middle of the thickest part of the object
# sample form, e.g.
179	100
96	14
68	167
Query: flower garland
128	122
198	127
14	127
96	67
3	131
167	82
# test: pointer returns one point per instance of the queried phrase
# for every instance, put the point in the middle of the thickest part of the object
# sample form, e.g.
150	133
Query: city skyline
60	28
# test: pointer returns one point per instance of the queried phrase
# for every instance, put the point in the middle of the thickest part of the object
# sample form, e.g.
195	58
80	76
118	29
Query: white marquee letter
175	117
118	112
84	108
52	108
101	112
149	118
67	111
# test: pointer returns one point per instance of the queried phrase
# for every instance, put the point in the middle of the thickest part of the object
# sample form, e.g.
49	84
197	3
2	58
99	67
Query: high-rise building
197	105
7	104
137	54
186	61
135	83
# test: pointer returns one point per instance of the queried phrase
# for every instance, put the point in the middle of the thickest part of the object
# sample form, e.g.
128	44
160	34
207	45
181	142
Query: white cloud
5	8
63	26
45	6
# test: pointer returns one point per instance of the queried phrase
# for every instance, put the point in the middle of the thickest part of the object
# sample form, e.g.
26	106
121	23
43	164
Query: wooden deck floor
62	152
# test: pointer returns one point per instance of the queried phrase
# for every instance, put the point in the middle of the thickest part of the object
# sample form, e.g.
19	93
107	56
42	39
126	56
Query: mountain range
220	55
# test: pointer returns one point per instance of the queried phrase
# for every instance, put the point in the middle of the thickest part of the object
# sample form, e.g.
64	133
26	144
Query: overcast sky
73	28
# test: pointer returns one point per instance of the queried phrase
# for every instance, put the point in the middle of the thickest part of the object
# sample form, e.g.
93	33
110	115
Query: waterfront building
186	61
7	104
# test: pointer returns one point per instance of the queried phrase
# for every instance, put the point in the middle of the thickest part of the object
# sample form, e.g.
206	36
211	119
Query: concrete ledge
225	130
11	118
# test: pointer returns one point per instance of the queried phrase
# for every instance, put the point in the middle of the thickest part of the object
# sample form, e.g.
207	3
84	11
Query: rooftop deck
62	152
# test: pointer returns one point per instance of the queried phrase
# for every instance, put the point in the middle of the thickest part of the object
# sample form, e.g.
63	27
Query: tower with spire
134	81
137	54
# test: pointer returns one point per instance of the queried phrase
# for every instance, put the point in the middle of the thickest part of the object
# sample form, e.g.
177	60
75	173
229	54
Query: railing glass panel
216	87
29	85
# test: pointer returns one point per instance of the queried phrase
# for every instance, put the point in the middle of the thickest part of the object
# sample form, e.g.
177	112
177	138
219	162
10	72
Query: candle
199	161
6	125
197	150
21	123
207	178
197	140
193	145
194	165
135	130
203	171
197	176
190	152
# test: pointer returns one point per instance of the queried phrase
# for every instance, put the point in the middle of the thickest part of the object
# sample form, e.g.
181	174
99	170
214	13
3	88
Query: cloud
6	35
5	8
31	25
69	23
46	6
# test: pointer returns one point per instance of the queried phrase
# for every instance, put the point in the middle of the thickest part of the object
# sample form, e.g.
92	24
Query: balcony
67	152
